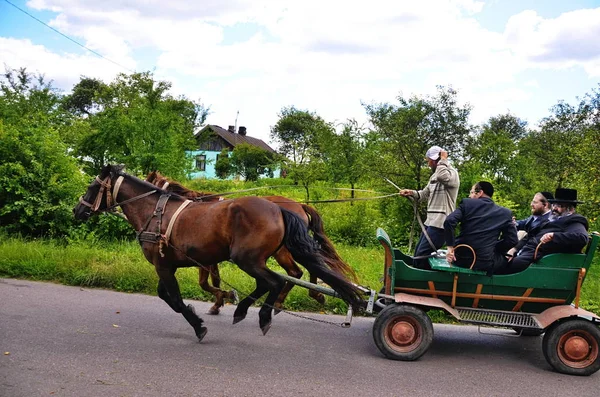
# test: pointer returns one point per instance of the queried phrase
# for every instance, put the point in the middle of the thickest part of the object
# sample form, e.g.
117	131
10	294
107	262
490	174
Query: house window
201	162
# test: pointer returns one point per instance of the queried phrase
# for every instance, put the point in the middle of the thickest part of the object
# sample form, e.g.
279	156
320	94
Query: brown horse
175	232
309	216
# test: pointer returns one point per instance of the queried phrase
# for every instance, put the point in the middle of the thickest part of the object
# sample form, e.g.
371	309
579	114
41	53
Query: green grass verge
122	267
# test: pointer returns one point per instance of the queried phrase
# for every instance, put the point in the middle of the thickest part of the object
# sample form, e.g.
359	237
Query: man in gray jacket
440	193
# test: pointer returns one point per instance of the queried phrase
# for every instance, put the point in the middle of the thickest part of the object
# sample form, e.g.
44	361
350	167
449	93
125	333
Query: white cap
434	152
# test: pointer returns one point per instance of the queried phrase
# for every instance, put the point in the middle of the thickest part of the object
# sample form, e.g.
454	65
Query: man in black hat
566	233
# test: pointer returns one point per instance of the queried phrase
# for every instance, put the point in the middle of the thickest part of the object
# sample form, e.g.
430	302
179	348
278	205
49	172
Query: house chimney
242	131
231	128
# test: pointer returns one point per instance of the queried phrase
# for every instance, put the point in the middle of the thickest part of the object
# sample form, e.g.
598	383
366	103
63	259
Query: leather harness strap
173	219
158	237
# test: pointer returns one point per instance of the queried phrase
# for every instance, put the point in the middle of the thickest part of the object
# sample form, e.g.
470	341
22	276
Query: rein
416	212
164	187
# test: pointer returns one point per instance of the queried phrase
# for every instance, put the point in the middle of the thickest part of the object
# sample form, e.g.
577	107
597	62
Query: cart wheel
402	332
528	331
571	347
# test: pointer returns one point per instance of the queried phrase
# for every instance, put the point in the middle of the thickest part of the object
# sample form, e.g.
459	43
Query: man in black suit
541	212
484	226
565	233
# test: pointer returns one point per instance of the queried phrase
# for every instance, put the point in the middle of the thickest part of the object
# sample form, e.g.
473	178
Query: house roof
235	139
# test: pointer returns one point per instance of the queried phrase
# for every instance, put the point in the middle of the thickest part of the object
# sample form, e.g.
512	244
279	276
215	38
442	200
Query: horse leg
285	260
168	290
275	284
319	297
242	308
266	280
214	289
215	277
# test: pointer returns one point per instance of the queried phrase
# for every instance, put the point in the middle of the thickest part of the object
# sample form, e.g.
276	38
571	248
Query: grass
122	267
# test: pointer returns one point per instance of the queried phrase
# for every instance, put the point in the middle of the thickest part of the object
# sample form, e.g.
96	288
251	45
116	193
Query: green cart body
544	298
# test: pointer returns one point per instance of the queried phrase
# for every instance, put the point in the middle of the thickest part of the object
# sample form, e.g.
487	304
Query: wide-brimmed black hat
563	195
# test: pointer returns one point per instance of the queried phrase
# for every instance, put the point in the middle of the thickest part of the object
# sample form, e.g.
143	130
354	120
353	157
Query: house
208	151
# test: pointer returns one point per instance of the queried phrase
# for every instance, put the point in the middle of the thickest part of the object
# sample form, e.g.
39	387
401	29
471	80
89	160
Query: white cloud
324	56
64	69
568	40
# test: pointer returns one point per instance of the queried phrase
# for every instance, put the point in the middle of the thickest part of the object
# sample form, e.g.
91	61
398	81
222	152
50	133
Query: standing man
440	193
484	226
567	232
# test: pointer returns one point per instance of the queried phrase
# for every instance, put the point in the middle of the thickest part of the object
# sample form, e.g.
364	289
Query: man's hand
443	155
546	237
511	252
450	255
406	192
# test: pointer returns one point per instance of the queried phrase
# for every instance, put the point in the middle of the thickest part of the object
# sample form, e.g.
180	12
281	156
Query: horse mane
157	179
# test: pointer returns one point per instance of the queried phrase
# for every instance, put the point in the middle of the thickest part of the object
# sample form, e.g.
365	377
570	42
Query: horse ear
105	170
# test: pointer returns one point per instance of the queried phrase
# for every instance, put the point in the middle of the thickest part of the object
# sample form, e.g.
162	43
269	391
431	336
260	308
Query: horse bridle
111	197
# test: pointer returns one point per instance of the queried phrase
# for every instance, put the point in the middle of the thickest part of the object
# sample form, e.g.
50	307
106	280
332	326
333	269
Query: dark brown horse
309	216
175	232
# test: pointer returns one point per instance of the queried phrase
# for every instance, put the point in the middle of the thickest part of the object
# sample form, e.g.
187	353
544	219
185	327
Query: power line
68	38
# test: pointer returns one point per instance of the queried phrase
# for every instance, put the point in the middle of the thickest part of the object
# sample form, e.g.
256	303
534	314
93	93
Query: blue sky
256	57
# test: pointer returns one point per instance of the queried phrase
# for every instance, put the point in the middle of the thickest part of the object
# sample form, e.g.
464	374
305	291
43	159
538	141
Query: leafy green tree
301	135
223	166
345	154
402	134
39	180
135	121
250	162
496	146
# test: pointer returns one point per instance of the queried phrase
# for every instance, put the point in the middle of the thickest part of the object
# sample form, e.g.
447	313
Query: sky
248	59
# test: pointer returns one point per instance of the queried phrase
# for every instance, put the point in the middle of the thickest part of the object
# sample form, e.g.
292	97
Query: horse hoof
277	309
266	328
320	298
201	333
238	319
213	311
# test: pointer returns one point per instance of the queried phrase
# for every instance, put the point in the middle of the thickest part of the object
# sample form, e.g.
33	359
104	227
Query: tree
250	162
135	121
301	136
39	180
223	166
345	154
402	134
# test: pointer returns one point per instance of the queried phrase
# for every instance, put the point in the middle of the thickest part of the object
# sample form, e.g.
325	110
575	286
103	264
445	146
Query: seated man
540	214
566	233
484	226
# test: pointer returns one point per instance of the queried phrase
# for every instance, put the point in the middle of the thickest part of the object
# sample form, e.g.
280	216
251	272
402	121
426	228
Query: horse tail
326	248
304	251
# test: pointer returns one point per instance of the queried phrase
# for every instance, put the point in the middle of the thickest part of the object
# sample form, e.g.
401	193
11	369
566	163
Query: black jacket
532	226
486	227
570	236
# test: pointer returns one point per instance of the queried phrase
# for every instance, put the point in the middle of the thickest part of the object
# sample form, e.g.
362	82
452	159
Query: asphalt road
69	341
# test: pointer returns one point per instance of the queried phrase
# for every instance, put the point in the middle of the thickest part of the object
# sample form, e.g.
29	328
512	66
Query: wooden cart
544	298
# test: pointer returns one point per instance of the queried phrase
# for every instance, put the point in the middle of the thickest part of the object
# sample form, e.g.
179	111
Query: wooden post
579	282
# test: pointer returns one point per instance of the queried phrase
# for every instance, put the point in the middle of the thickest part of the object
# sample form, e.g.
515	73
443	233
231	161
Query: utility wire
67	37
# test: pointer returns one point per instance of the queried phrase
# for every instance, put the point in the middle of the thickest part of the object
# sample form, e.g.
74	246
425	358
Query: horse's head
99	193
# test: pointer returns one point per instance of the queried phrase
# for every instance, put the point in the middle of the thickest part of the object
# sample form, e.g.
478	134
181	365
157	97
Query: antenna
236	117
